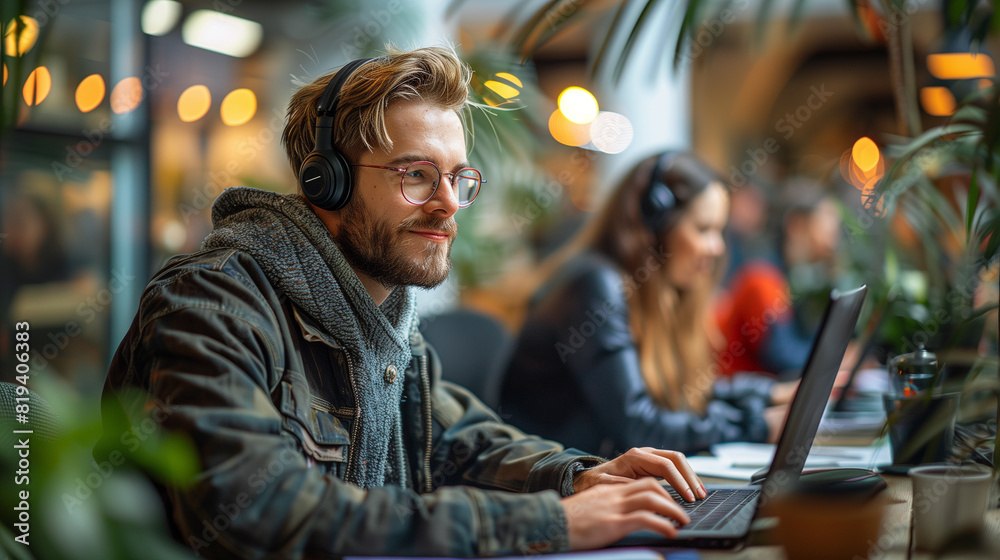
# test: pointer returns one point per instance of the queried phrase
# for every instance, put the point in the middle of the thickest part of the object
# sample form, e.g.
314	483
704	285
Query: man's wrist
568	487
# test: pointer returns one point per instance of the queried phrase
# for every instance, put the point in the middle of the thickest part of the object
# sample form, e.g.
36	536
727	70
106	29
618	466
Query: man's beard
375	248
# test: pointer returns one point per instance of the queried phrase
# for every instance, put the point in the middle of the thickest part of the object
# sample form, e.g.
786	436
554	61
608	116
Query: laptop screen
818	376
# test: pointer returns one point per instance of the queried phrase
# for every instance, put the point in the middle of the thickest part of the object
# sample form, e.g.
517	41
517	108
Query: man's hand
605	513
622	496
642	462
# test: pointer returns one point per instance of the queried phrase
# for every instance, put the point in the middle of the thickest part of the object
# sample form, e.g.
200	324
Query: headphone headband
325	174
328	103
327	107
658	200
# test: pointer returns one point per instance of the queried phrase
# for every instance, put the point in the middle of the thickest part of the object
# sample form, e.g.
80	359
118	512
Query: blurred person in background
766	326
746	233
32	253
620	328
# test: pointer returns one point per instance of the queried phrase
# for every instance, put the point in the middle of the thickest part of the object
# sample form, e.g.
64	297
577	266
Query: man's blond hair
432	74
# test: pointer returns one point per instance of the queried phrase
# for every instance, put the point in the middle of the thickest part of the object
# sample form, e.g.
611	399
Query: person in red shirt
756	313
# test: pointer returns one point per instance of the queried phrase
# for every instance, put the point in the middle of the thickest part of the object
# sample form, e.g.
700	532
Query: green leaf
907	151
797	11
691	12
609	37
971	200
763	18
171	459
530	28
970	113
640	22
992	225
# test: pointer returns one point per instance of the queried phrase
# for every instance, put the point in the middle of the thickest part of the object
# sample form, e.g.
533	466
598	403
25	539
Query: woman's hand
783	393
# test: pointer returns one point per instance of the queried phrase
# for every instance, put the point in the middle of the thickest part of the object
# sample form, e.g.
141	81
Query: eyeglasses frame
451	179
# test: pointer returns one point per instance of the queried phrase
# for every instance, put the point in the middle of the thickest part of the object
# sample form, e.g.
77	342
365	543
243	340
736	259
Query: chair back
474	349
41	418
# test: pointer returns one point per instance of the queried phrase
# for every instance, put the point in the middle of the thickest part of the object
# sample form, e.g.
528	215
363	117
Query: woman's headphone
658	200
677	177
325	174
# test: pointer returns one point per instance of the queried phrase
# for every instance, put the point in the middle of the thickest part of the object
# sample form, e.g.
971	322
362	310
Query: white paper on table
739	460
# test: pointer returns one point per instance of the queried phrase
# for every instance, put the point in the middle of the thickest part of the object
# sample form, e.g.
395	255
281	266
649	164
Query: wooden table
893	536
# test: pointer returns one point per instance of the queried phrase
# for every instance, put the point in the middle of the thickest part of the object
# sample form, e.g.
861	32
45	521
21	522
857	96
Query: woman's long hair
670	326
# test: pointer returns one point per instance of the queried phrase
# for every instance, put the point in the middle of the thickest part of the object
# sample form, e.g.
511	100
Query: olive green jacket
265	396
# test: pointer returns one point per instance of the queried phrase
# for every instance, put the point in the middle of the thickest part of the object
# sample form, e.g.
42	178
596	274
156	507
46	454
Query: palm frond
640	22
533	28
608	37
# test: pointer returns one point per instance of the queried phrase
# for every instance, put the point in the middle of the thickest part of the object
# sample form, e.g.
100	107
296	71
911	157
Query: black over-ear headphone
325	174
658	200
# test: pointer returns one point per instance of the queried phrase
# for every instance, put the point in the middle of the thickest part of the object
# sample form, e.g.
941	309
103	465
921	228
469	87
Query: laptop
723	519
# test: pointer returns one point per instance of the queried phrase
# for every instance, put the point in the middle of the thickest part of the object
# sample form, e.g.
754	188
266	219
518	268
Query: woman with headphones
619	329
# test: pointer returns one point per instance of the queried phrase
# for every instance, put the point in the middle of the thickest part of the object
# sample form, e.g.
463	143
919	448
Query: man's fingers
663	463
637	463
605	513
644	520
684	472
657	503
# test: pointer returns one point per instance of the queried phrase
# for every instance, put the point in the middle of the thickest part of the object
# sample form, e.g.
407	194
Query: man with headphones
287	351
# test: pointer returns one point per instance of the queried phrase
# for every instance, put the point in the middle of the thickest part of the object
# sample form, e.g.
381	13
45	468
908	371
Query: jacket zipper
351	455
425	389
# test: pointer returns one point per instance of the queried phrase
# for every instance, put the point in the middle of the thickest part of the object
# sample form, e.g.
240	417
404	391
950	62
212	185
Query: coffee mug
948	501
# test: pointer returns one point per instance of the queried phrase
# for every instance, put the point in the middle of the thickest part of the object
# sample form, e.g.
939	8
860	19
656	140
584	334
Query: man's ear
330	218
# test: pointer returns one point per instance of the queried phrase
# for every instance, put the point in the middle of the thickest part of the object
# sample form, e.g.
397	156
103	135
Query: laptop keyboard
719	507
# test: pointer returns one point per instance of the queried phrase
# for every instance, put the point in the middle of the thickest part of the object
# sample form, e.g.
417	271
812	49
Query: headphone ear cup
656	205
325	179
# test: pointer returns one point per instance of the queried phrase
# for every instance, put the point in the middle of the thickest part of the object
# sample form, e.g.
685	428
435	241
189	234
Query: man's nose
444	201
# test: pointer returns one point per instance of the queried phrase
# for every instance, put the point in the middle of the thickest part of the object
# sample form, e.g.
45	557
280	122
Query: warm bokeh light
865	154
193	103
611	132
510	78
173	236
4	74
846	162
566	131
126	95
238	107
222	33
505	86
90	93
856	176
17	44
37	86
578	105
937	101
958	66
502	89
160	16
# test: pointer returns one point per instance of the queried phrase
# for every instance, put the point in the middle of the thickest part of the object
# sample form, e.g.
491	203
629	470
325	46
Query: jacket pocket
322	435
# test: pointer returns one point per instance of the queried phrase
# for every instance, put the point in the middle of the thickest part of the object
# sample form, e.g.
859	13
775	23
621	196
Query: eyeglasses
420	181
